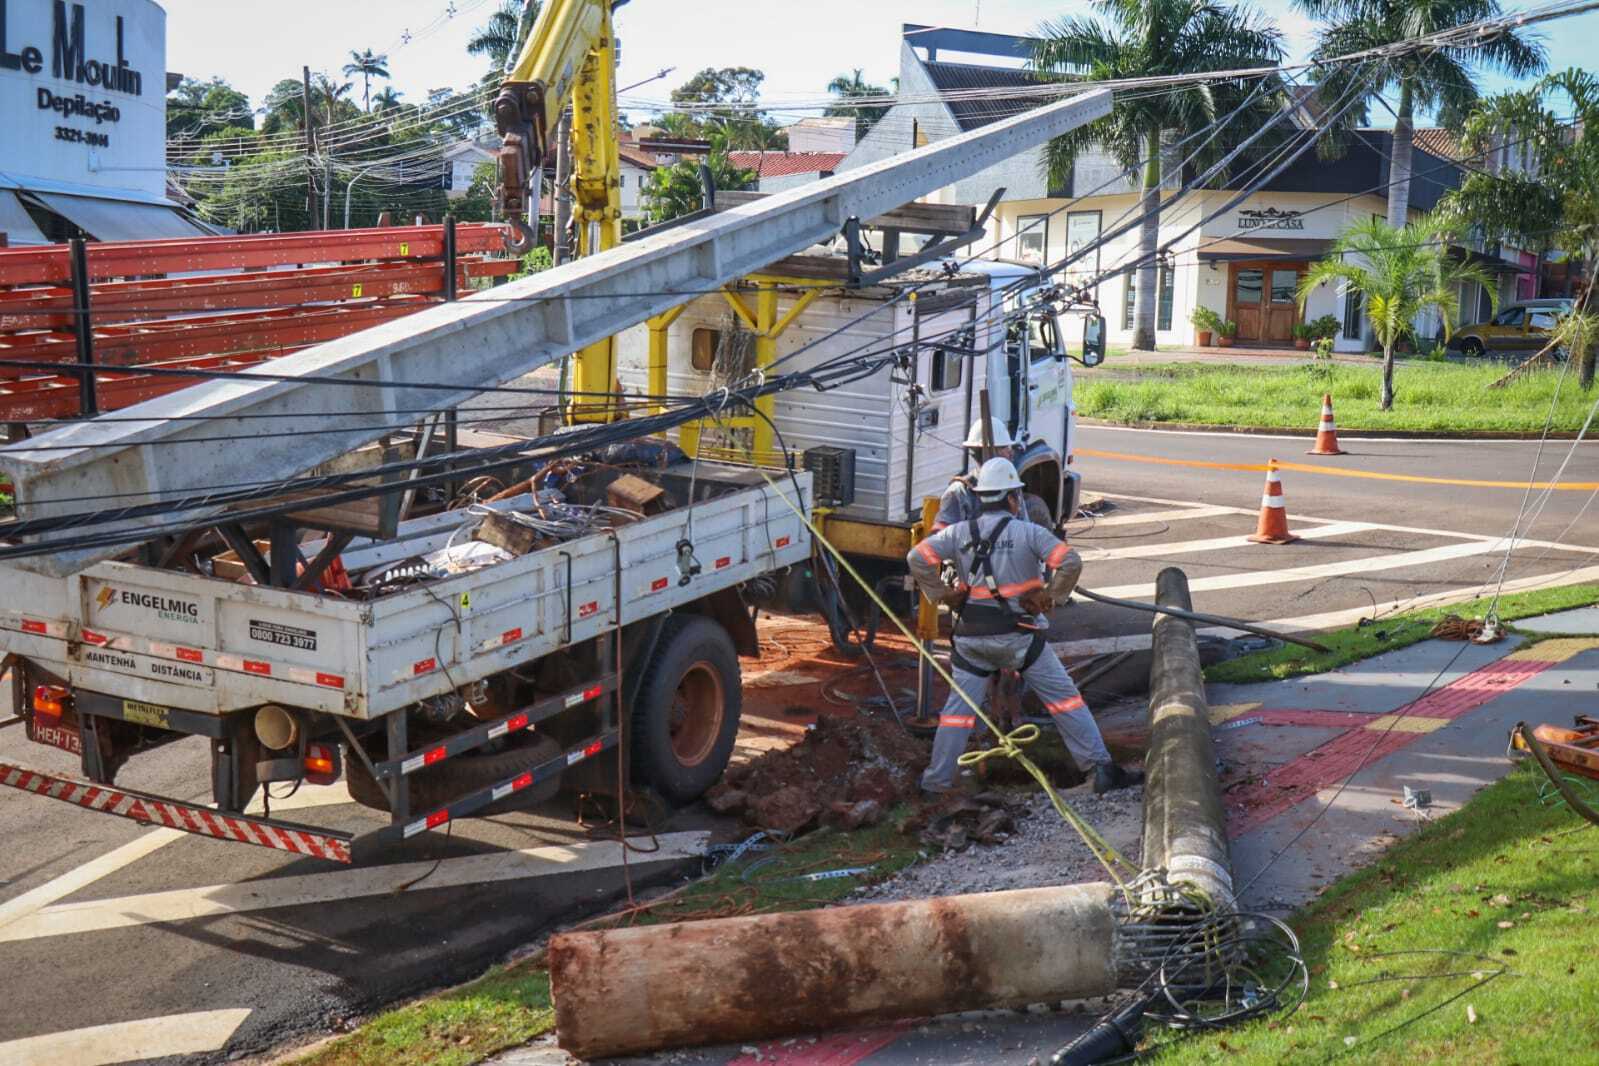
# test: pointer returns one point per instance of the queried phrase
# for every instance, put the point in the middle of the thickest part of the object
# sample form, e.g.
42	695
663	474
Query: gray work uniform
959	503
993	633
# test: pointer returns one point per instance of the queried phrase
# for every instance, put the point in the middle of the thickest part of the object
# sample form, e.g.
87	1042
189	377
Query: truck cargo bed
175	639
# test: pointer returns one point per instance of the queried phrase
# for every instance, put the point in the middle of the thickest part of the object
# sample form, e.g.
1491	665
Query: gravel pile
1043	851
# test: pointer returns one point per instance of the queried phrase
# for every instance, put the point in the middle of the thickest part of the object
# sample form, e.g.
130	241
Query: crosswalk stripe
145	1038
304	889
1251	579
1190	547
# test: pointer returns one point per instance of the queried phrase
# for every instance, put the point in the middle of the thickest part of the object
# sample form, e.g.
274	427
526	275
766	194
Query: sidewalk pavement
1434	716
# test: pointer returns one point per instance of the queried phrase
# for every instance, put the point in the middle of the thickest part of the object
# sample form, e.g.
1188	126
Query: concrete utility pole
310	145
730	980
1185	824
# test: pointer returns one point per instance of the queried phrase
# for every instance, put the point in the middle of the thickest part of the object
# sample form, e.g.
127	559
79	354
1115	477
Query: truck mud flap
473	801
186	817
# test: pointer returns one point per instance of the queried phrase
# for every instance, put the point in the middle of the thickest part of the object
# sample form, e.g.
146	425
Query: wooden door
1281	302
1248	292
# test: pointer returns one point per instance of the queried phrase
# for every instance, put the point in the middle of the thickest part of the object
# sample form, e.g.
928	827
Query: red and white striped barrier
188	818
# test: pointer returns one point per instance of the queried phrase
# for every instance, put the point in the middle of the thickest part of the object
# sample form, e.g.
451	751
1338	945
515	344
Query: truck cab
1028	374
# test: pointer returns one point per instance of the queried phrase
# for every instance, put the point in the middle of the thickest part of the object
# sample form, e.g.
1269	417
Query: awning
1265	248
119	220
15	223
1491	263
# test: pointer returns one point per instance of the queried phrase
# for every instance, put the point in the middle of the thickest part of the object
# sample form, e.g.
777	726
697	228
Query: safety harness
995	618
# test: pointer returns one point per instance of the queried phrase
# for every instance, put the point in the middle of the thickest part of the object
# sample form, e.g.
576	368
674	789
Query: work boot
1108	777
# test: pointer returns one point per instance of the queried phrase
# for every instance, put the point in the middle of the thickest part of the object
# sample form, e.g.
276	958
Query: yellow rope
1010	744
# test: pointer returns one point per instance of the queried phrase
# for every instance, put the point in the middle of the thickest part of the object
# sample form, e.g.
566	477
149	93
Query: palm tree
1400	272
1150	38
1553	203
369	65
332	92
854	87
1439	80
501	38
388	99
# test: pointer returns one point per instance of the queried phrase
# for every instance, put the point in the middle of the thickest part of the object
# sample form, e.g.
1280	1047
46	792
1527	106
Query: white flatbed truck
438	699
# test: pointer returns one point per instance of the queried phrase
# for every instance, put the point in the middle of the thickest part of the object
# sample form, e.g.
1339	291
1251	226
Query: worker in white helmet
999	597
959	502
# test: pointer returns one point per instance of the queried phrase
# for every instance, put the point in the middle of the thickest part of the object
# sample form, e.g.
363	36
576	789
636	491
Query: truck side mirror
1093	340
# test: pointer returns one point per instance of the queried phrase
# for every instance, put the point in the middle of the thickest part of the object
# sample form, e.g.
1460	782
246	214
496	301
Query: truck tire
685	716
451	779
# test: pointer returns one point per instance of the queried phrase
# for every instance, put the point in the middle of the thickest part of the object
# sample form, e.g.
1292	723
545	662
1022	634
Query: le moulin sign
82	94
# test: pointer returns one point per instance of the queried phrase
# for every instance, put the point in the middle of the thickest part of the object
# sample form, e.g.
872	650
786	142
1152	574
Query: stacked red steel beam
213	303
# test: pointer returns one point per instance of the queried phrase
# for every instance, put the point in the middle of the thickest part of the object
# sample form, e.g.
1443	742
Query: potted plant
1206	323
1225	334
1302	336
1327	326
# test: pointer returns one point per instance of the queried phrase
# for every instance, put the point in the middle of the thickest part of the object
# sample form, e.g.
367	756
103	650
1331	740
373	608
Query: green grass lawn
1504	884
1428	397
1386	634
510	1005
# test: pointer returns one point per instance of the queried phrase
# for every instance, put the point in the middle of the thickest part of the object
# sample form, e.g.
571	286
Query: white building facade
1244	264
83	122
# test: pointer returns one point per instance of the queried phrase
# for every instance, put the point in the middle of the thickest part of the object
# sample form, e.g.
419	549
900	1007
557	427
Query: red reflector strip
724	561
252	666
594	748
330	680
516	722
511	635
433	756
780	542
593	692
190	655
658	584
438	818
501	791
426	666
30	626
588	609
91	637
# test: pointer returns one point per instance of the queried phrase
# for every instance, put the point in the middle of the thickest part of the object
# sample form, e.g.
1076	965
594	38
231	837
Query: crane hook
520	237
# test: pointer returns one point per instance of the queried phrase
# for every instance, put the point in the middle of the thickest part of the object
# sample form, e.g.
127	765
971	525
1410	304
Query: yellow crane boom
569	60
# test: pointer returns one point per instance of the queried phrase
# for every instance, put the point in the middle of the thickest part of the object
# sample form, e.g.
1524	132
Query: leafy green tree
285	107
1552	202
677	190
1147	39
1439	80
196	108
852	88
1401	272
368	64
333	97
387	100
722	102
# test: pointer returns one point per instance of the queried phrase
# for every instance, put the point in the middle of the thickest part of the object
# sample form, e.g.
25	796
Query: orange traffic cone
1327	435
1273	528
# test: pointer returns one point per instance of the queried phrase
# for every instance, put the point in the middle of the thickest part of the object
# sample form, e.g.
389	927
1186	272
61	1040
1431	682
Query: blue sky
800	44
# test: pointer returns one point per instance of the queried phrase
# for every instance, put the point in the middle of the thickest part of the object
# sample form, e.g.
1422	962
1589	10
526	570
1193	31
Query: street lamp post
349	188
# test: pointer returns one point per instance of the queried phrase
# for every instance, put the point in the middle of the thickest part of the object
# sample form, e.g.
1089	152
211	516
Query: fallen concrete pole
728	980
1185	824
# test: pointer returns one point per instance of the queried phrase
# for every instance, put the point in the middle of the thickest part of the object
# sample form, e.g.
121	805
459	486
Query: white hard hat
1001	435
996	478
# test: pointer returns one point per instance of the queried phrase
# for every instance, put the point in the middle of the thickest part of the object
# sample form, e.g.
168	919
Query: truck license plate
58	734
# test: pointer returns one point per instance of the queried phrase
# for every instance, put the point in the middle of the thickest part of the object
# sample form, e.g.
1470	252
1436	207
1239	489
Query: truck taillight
50	701
321	763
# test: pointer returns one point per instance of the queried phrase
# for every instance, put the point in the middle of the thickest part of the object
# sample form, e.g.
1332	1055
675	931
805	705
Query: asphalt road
1368	542
226	949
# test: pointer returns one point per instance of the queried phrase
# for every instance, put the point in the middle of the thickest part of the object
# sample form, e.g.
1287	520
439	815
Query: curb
1310	434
